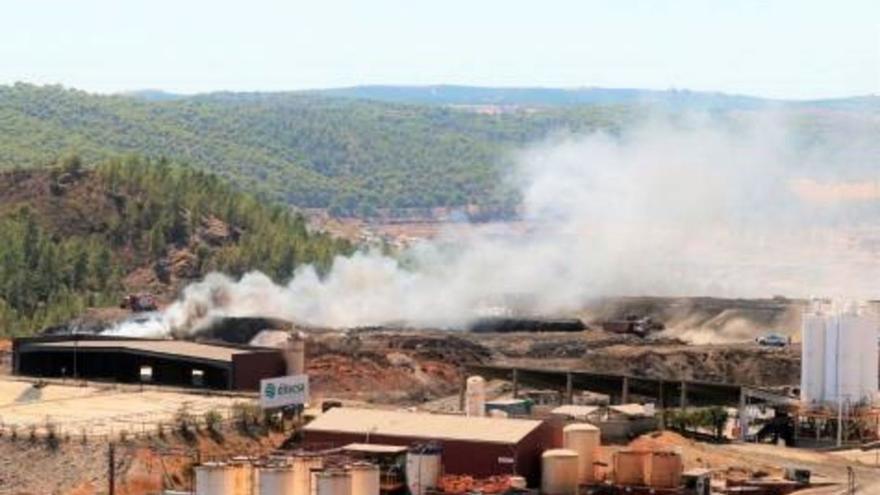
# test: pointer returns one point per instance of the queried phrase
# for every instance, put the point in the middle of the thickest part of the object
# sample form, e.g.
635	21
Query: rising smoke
702	206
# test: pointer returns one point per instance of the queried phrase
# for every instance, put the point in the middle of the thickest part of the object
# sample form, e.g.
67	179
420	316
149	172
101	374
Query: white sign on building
284	391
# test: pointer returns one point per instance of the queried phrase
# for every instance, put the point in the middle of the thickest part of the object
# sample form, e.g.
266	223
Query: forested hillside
72	237
305	149
446	94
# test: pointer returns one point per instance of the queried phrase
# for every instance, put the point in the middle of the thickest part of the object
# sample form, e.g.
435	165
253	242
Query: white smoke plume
696	207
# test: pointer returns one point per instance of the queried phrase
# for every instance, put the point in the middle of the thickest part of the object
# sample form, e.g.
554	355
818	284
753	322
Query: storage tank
813	356
858	327
215	478
243	475
839	356
630	467
277	480
664	470
295	354
475	396
582	438
518	482
364	478
559	472
303	465
333	482
832	354
423	468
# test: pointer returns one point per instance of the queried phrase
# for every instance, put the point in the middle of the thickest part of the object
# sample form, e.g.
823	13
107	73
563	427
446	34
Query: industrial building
479	446
153	361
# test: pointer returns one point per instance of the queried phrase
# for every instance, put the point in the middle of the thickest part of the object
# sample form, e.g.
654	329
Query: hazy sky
785	48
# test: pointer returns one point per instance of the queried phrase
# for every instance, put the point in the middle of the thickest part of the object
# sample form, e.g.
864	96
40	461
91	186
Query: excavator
139	303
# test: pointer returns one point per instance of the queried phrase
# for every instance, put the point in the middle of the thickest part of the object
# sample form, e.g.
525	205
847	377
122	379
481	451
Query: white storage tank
475	396
518	482
277	480
813	356
215	478
295	354
365	478
859	331
559	472
583	439
303	468
423	468
839	356
243	475
333	482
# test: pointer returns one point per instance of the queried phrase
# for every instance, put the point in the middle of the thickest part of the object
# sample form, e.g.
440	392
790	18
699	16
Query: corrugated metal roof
422	425
631	409
505	402
168	347
574	411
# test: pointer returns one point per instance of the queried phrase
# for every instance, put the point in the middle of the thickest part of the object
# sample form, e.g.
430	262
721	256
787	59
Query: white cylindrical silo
215	478
813	357
583	439
243	475
518	482
277	480
858	357
831	384
559	472
475	396
843	344
364	478
848	361
295	355
870	359
333	482
423	469
303	467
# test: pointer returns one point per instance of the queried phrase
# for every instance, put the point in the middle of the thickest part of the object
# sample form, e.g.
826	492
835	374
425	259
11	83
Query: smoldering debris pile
236	330
538	325
232	330
447	348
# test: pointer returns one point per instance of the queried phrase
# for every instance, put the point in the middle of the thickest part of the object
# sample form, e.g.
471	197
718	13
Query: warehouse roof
575	411
422	425
165	347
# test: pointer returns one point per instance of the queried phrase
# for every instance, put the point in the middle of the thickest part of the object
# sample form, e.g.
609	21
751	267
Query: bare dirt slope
401	367
658	357
143	466
704	320
743	364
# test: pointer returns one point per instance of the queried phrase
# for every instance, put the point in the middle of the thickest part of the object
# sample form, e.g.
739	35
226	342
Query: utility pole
111	469
569	388
75	349
515	378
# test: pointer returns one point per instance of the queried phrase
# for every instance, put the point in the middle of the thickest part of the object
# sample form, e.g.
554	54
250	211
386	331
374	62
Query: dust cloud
699	206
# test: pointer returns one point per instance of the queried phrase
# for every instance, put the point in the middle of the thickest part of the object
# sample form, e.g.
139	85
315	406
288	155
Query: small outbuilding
617	423
510	407
477	446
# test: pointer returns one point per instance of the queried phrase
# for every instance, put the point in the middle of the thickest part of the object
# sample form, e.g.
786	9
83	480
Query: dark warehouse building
159	362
